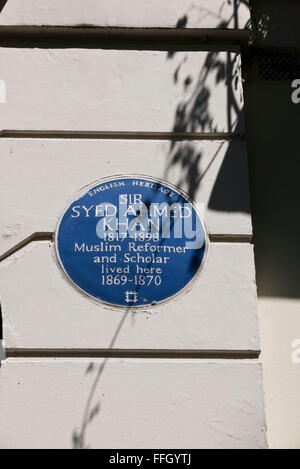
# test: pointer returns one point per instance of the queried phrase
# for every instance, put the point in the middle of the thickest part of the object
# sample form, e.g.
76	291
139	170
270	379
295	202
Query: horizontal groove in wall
230	238
82	134
123	353
39	236
48	236
123	38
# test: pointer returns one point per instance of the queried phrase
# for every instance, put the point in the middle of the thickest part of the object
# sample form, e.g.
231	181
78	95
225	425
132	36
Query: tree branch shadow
193	114
2	4
89	413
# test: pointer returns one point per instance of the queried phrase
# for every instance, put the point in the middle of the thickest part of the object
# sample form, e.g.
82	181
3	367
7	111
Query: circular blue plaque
131	241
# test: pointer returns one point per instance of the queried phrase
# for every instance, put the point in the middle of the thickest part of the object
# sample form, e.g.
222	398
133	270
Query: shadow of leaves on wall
194	114
2	4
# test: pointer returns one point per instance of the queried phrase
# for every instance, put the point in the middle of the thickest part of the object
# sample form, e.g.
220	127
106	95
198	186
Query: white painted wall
280	341
141	402
94	89
129	13
43	310
30	166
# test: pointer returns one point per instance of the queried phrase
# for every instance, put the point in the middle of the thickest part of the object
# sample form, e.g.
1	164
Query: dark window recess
279	67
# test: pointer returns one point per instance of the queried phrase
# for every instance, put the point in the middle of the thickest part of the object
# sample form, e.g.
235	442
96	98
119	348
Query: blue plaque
131	241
